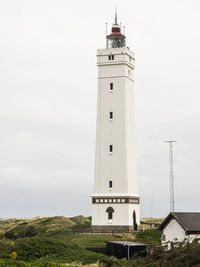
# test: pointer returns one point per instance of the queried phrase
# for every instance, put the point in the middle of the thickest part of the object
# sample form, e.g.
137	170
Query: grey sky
48	93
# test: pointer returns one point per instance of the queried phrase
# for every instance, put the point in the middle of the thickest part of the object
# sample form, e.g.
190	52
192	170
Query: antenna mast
115	15
171	174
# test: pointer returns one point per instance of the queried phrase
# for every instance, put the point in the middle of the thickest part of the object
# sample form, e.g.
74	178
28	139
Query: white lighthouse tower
115	201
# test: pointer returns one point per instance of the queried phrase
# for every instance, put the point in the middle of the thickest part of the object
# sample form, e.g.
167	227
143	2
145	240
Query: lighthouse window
110	184
111	115
111	148
111	57
111	86
110	211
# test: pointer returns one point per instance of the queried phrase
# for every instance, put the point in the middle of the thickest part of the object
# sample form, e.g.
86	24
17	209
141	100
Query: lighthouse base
112	228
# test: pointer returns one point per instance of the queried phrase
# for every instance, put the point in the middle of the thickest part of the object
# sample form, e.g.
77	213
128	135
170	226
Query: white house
115	200
180	227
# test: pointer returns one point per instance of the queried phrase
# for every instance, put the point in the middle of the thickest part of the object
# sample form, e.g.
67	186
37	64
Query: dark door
135	227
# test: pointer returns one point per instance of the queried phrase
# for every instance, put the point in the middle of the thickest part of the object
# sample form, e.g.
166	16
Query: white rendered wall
191	238
122	216
174	232
120	165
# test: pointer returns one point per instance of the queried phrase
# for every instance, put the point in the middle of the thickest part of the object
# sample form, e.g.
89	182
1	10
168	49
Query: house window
111	115
111	148
111	86
129	72
110	212
109	57
163	237
112	57
110	184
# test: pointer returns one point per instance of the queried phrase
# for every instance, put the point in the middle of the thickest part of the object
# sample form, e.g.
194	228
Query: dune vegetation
56	241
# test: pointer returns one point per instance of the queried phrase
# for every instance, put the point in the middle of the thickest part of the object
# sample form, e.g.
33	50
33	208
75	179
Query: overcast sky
48	97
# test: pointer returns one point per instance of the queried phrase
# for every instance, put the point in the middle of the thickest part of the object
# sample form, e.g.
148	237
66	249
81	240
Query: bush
184	255
148	236
50	249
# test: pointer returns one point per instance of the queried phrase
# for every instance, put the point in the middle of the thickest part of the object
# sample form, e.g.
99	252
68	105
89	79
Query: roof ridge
189	221
185	212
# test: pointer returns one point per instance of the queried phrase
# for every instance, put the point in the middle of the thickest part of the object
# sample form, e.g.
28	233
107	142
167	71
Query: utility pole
171	174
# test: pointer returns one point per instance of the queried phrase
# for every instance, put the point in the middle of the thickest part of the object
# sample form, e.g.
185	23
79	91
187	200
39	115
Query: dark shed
125	249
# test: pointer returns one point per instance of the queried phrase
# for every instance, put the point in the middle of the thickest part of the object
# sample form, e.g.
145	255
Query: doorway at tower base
112	228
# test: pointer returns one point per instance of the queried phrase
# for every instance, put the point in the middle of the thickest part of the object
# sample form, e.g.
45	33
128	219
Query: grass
147	223
49	242
43	241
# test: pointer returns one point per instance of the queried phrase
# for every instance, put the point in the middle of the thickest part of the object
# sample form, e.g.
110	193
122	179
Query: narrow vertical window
112	57
109	57
129	72
110	184
111	115
111	86
110	212
111	148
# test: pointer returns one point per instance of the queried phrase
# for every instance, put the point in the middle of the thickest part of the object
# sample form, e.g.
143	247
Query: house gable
173	231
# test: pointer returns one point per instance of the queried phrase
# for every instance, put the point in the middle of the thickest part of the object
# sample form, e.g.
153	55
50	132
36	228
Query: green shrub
51	249
148	236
